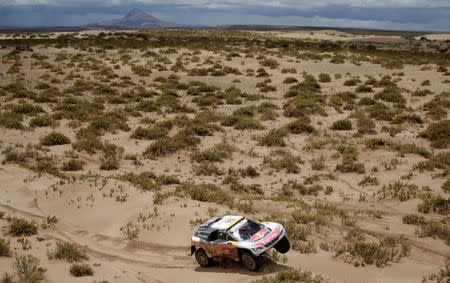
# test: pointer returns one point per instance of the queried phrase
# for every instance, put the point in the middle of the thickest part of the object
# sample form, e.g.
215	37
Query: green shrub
413	219
168	145
79	270
438	133
4	247
290	80
291	275
350	166
28	269
112	154
42	121
73	165
300	126
20	227
434	229
271	63
368	181
352	82
390	94
215	154
363	89
54	138
204	193
274	137
324	78
342	125
399	191
68	252
284	160
438	161
432	203
88	140
11	120
446	186
152	133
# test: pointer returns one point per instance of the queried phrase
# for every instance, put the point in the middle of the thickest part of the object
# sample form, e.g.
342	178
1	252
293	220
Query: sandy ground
91	216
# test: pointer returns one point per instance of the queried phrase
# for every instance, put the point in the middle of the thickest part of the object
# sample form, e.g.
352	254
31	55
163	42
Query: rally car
239	239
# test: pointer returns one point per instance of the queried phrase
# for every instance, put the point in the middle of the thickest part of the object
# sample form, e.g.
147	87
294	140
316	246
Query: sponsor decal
269	238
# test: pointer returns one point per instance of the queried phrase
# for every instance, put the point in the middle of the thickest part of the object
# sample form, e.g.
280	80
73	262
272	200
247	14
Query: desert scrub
185	138
4	248
204	193
280	160
433	203
290	80
73	165
243	119
112	154
379	253
217	153
157	131
352	82
300	126
342	125
28	269
54	138
438	134
69	252
437	161
413	219
19	227
380	143
324	78
207	169
42	121
274	137
398	191
434	229
292	275
130	231
368	181
390	94
271	63
79	270
11	120
87	140
446	186
148	181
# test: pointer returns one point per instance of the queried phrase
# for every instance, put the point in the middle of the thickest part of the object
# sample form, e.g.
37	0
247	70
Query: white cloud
220	4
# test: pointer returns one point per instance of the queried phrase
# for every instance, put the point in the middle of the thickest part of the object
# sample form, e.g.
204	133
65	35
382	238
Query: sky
426	15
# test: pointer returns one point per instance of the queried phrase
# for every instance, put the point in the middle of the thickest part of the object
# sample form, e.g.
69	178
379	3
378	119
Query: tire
283	246
202	258
250	261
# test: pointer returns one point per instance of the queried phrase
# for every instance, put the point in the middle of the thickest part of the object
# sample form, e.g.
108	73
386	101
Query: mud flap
192	250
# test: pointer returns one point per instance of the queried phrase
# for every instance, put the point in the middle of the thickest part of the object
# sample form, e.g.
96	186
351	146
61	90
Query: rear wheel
202	258
283	246
250	261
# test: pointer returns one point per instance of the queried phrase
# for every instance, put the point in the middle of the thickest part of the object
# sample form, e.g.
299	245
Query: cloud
399	14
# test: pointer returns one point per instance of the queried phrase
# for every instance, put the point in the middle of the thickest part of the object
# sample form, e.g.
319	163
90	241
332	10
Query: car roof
222	222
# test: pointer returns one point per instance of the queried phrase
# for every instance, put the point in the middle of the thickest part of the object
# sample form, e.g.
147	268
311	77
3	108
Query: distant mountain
136	19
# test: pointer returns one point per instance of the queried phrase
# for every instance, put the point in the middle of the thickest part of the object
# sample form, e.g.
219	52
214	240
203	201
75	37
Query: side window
222	236
213	236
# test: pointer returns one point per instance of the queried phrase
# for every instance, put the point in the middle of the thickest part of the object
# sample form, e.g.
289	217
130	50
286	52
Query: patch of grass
368	181
204	193
291	275
438	134
217	153
73	165
4	247
274	137
446	186
80	270
378	253
68	252
284	160
42	121
437	161
342	125
28	269
433	203
168	145
398	191
19	227
54	138
11	120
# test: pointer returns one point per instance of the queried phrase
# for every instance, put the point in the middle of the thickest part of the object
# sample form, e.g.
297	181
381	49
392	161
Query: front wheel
283	246
202	258
251	262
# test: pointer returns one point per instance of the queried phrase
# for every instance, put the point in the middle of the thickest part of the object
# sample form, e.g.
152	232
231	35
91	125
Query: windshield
247	230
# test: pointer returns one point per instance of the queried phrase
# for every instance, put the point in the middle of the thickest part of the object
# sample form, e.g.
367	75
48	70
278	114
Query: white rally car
239	239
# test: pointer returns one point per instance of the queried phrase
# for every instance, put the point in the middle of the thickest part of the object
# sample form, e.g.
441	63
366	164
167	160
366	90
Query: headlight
257	249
